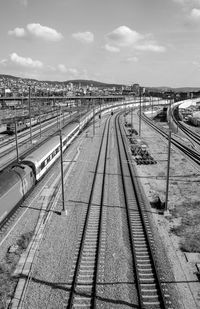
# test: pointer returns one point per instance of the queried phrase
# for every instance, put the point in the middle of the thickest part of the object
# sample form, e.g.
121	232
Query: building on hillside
136	89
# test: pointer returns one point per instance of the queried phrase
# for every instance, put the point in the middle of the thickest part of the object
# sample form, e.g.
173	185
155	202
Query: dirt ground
180	225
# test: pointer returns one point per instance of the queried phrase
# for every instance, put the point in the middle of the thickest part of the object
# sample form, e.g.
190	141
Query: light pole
16	141
140	113
29	104
132	116
168	169
93	121
40	120
62	175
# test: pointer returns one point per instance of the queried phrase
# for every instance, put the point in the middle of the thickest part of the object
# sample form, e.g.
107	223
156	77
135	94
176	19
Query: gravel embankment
116	288
183	196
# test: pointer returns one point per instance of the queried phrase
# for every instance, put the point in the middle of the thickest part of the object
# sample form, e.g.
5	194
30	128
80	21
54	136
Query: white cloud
62	68
25	62
123	36
71	73
111	49
17	32
151	47
44	32
85	37
3	62
131	59
195	14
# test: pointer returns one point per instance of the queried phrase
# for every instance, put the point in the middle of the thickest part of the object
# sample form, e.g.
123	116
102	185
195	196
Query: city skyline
153	43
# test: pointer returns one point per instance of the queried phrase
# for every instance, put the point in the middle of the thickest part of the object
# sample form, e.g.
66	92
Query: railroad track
83	287
191	153
28	151
5	223
34	129
151	291
187	131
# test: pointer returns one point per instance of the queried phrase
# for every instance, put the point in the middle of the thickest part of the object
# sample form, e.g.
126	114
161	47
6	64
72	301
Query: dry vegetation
7	267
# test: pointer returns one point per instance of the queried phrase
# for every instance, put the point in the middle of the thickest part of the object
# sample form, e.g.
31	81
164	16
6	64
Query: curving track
187	131
191	153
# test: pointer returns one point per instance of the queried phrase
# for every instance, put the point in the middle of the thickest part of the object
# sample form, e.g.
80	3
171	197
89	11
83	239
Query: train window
42	165
45	162
31	174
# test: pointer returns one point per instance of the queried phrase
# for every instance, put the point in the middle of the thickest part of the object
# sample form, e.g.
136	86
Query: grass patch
7	281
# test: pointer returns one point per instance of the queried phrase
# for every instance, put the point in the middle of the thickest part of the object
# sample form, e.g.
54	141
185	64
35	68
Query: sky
150	42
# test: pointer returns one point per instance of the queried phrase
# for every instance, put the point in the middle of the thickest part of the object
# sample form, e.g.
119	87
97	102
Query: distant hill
180	89
98	84
94	83
76	82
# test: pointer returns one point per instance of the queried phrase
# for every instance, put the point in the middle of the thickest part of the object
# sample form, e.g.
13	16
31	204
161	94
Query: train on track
24	122
16	182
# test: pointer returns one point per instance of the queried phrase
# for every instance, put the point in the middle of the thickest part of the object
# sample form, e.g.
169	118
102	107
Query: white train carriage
42	158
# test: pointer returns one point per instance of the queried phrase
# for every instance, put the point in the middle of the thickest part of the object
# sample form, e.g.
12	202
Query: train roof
38	154
9	178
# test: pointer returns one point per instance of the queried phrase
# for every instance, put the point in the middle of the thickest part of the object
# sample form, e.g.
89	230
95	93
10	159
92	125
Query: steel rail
191	153
189	133
148	283
91	297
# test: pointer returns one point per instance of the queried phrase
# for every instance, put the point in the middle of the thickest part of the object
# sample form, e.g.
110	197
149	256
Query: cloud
151	47
195	14
72	72
17	32
25	62
123	36
85	37
46	33
3	62
131	59
62	68
111	49
37	31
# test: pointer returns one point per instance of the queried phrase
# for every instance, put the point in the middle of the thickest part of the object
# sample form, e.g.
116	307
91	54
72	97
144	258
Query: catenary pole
16	141
140	113
93	122
29	104
62	174
168	170
40	120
